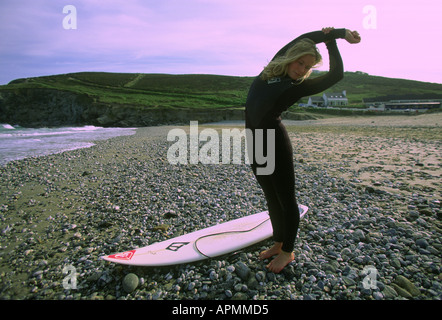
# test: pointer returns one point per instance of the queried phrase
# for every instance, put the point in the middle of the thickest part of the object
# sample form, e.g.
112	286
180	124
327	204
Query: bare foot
273	251
283	259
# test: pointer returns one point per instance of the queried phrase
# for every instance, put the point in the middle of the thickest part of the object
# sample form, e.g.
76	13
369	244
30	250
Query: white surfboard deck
210	242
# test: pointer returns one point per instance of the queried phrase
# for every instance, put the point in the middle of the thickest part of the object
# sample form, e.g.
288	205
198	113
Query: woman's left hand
327	30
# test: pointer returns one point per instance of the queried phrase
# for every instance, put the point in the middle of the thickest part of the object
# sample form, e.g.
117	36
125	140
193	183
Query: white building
402	105
329	100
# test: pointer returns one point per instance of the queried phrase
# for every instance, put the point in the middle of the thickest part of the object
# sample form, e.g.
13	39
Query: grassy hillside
148	90
200	91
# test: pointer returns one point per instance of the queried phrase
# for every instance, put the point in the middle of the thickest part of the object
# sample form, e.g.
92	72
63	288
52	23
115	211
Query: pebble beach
373	230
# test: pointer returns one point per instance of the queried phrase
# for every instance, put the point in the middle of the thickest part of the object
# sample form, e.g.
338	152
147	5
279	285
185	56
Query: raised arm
336	70
335	74
315	36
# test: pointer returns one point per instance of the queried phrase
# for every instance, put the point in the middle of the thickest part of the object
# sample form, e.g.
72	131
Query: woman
282	83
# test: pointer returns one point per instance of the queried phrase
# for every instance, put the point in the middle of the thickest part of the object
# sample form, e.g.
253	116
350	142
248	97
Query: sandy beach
399	154
372	185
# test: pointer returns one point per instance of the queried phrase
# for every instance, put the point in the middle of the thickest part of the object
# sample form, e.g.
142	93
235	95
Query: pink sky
400	39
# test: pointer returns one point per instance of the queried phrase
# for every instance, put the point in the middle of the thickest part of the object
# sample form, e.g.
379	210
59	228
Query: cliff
38	107
120	100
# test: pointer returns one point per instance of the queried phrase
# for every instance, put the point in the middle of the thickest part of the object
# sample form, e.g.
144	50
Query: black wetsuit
265	103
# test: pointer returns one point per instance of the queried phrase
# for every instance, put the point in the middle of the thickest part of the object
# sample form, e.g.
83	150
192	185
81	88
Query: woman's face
298	68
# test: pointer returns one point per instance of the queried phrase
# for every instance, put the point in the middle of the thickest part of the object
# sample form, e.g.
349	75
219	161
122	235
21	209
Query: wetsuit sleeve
316	37
335	74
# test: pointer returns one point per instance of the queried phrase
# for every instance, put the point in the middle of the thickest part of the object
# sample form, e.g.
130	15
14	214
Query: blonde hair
279	66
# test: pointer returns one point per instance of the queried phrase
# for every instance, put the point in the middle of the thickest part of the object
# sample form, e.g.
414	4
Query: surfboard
206	243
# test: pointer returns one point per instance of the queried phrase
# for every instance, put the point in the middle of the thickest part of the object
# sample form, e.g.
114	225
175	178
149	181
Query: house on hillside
317	101
329	100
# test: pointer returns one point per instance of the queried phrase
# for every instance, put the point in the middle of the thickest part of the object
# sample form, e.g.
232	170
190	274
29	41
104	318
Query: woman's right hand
352	36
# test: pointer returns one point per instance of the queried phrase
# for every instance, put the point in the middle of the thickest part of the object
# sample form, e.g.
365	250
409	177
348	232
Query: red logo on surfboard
123	255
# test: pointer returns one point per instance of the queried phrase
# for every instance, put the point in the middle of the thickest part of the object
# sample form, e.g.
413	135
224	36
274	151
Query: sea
18	143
